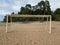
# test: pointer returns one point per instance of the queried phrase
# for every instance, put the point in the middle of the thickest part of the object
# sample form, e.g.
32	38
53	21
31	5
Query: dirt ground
34	33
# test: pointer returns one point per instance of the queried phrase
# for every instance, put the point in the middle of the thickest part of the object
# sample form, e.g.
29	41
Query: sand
34	33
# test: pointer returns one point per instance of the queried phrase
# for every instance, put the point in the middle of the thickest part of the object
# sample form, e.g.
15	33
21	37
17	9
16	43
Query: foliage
42	8
56	14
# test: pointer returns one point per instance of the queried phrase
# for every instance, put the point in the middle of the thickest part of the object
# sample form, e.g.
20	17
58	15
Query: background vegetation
42	8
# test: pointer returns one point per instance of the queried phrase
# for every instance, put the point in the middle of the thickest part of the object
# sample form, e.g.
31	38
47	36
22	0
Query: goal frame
16	15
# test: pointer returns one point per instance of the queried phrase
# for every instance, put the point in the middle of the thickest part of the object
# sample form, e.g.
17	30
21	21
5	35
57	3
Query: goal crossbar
30	16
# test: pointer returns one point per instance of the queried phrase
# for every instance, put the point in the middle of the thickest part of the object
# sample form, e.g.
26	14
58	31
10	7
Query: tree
28	9
42	7
47	8
12	13
28	6
22	11
56	14
57	11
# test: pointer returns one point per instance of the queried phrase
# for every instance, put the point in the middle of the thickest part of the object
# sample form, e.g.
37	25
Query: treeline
42	8
56	15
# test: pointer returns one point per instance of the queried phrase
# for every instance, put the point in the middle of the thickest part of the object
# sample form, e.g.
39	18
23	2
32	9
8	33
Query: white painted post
7	23
50	25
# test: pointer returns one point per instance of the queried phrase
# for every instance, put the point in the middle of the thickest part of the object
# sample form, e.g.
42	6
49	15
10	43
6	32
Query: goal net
22	23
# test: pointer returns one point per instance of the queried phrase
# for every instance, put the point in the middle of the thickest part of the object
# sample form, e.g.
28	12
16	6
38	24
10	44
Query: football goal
48	18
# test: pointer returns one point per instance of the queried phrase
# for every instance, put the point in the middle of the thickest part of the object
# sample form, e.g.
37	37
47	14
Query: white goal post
15	15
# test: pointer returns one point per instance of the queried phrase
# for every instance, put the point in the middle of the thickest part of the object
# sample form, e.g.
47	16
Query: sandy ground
35	33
